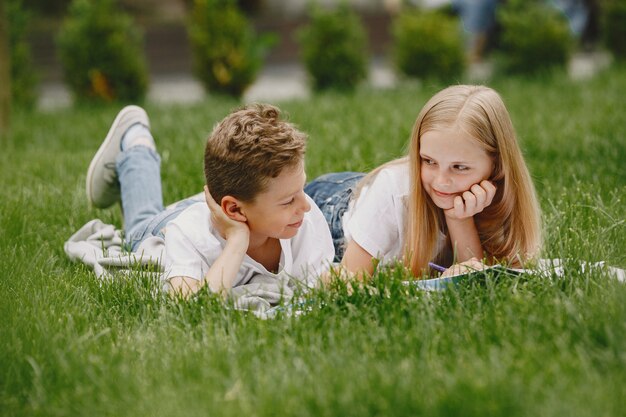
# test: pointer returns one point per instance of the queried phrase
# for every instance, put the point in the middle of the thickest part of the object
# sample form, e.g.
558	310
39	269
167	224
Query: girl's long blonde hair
510	227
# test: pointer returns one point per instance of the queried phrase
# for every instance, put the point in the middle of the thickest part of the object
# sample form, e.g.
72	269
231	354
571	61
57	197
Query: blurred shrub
534	37
48	7
227	52
613	26
334	48
428	44
23	78
101	53
58	8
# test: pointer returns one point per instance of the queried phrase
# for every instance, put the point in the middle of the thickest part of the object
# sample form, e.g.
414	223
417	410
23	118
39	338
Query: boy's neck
265	251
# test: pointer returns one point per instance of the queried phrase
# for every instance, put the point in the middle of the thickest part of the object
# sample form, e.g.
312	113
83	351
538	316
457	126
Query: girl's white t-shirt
377	219
192	244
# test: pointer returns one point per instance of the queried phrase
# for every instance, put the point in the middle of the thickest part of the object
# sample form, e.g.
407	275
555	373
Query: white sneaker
103	187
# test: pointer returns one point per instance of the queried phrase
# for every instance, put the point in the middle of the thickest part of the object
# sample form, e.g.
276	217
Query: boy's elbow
184	286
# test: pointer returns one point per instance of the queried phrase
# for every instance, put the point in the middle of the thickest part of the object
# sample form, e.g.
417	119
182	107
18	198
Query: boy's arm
184	286
223	271
460	220
221	274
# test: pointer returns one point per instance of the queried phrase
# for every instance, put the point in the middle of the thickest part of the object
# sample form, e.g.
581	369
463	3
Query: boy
254	218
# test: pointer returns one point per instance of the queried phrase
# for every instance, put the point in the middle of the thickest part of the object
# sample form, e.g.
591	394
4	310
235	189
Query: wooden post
5	71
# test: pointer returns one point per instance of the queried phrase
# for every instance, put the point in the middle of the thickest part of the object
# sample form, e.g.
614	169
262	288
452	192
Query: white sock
137	134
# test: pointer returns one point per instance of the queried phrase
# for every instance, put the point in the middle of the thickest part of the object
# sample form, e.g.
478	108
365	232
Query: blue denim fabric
576	12
332	193
477	15
139	174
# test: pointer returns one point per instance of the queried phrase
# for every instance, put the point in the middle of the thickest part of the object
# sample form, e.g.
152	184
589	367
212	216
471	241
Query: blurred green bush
23	78
613	26
534	37
428	44
227	52
100	50
54	8
334	48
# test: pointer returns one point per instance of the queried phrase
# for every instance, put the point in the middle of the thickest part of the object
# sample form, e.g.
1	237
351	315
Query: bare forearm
223	272
464	237
221	275
184	286
356	261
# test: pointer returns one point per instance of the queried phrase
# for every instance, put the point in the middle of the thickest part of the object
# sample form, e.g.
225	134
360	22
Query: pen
436	267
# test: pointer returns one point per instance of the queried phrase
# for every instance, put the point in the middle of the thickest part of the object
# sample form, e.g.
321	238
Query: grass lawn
70	345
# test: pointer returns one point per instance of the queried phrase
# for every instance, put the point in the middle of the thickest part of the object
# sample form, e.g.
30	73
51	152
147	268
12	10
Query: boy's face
278	211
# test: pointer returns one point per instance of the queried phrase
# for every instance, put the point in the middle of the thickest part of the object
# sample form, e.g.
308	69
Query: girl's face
451	162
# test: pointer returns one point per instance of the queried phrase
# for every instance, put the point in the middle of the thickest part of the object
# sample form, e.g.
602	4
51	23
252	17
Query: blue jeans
332	193
576	12
477	15
139	174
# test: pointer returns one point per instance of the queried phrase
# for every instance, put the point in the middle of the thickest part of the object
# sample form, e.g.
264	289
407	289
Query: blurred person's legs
577	14
478	17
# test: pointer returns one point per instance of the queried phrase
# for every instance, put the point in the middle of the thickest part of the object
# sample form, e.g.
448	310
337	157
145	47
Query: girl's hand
472	201
465	267
228	227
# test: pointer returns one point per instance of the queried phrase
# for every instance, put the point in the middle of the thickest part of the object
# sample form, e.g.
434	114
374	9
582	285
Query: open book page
544	268
494	270
435	284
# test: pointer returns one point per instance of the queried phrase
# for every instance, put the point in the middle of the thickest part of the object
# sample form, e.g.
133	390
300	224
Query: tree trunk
5	71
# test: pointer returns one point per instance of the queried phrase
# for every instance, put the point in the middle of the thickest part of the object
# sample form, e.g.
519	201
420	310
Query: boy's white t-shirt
377	219
192	244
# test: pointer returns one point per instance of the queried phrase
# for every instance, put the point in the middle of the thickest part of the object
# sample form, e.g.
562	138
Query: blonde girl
463	192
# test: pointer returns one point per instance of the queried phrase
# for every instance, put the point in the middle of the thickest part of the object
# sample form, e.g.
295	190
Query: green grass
70	345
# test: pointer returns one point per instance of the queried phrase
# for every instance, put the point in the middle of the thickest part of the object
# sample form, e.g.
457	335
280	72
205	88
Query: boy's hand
228	227
472	201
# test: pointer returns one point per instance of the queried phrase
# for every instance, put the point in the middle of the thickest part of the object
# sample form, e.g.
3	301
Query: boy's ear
232	207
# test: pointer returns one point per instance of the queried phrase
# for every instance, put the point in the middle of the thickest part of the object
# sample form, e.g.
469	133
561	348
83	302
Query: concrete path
289	81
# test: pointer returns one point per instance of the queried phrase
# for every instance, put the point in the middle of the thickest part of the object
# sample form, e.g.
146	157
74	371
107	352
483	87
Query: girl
463	192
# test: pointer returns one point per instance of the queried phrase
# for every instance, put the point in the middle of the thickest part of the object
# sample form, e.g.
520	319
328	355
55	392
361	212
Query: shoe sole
95	161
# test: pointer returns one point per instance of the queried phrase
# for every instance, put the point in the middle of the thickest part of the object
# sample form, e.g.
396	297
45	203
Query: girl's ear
232	207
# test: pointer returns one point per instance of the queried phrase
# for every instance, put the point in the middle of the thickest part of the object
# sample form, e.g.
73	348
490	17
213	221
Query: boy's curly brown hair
247	148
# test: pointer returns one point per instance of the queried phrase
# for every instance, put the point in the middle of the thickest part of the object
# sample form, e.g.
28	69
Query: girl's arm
464	237
460	220
356	260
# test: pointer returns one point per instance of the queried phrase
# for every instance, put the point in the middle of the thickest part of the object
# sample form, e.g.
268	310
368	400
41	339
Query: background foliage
614	26
101	53
428	44
334	48
534	37
228	54
23	77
